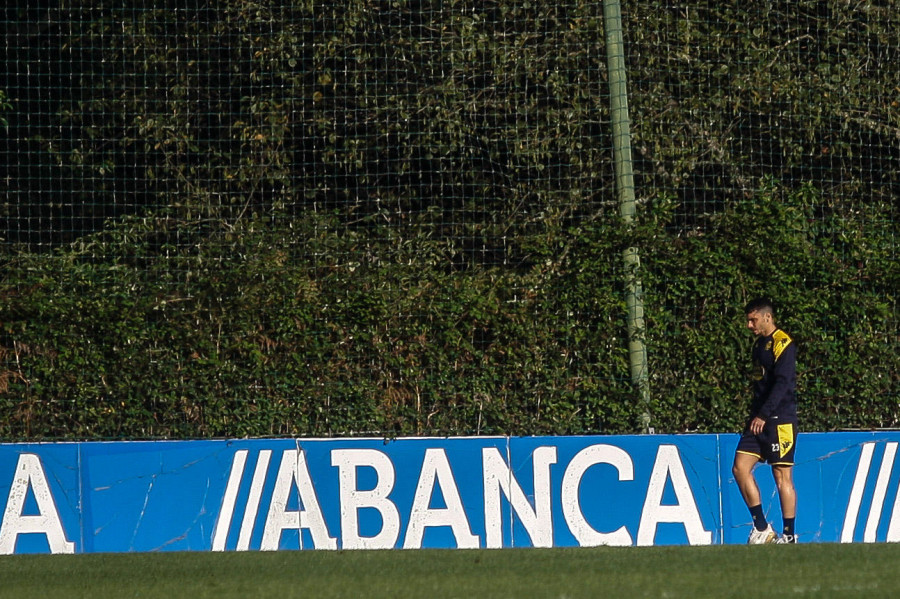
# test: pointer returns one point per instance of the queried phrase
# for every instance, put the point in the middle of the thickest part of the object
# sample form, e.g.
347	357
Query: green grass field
812	570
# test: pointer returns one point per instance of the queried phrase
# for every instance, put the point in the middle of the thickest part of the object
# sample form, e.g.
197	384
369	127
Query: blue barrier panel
41	497
356	494
846	489
852	486
150	496
625	490
289	494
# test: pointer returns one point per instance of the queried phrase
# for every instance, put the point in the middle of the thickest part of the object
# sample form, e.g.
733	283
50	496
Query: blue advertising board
479	492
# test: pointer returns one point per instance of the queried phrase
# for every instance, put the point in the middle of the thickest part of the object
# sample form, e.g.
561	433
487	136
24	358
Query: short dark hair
760	304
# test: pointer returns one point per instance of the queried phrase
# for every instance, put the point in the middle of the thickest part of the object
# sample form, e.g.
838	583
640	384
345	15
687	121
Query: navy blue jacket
775	378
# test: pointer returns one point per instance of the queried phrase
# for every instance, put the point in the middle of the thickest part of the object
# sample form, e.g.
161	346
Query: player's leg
744	463
783	473
787	495
784	481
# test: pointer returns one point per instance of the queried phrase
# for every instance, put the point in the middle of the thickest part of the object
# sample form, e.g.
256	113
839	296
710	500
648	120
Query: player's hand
756	425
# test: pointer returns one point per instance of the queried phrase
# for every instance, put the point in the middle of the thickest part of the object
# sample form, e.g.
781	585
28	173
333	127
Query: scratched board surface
290	494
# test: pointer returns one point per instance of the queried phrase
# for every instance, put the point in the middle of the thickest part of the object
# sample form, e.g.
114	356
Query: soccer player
770	434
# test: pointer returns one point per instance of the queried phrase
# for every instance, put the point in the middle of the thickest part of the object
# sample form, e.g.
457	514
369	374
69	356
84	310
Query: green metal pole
634	294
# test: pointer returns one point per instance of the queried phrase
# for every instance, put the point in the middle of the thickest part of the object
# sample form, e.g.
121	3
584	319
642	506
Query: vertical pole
621	131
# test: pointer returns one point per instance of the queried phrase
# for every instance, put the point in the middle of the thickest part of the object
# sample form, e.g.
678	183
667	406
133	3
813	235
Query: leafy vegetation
399	218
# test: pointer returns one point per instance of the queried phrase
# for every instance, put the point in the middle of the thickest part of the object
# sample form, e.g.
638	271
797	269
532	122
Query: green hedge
254	340
251	343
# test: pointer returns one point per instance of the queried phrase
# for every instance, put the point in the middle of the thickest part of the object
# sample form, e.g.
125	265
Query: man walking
771	431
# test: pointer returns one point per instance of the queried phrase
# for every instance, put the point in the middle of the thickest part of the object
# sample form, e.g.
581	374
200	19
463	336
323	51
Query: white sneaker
762	537
786	540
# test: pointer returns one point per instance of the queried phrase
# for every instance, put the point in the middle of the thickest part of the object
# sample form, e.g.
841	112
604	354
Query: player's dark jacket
775	378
